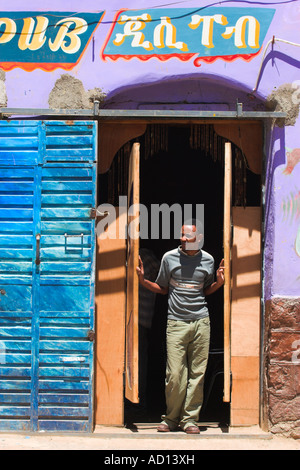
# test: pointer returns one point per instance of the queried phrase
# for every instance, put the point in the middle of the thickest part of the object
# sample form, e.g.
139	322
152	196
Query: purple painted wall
181	83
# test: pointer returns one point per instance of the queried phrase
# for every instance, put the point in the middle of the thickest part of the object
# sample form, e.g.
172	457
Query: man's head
192	236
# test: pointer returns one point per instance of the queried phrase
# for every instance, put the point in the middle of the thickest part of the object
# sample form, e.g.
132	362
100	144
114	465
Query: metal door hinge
91	335
94	213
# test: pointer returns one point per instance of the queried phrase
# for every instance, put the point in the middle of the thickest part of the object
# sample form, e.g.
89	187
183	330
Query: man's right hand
140	269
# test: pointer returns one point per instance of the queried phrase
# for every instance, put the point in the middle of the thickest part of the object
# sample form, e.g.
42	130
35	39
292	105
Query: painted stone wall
282	368
127	55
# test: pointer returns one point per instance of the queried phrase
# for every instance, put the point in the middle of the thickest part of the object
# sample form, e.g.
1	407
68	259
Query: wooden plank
67	267
247	137
10	425
69	140
18	131
17	240
246	316
64	372
16	253
64	399
11	314
67	359
227	270
59	227
62	385
15	372
112	137
21	359
8	213
11	345
14	332
64	314
14	411
64	298
64	322
78	154
75	128
64	279
60	240
79	186
74	252
15	385
62	425
20	143
110	329
16	200
58	172
18	157
64	212
17	186
74	346
15	398
13	227
16	266
63	412
19	174
16	298
132	293
61	332
65	198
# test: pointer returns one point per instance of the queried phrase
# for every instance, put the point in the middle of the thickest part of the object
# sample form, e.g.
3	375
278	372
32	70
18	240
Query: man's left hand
220	273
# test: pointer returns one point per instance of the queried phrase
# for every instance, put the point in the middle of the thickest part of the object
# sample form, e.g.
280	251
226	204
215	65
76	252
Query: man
187	275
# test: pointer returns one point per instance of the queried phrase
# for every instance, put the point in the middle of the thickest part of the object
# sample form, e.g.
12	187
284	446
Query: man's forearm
153	286
212	288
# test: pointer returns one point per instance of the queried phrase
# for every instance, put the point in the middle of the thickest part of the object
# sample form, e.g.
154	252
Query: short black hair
197	223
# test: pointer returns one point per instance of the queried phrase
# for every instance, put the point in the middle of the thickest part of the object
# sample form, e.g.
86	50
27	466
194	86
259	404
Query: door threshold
211	430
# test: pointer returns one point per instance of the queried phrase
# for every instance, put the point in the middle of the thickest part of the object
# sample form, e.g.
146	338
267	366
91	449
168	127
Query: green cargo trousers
187	356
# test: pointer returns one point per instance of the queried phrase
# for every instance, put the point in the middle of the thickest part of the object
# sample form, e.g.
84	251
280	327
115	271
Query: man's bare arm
152	286
219	282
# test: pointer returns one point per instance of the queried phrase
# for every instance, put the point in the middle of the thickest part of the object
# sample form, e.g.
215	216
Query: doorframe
214	120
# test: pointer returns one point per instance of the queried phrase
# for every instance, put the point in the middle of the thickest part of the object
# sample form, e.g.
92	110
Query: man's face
189	238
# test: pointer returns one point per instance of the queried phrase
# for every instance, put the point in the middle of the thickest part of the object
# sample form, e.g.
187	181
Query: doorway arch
248	138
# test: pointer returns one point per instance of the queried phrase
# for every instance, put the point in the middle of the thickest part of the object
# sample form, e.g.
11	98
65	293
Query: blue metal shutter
61	270
19	154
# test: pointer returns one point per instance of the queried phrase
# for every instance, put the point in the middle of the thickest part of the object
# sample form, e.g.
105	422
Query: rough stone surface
3	95
285	98
69	93
282	374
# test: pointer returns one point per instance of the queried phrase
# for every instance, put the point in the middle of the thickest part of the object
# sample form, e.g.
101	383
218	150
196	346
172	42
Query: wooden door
132	290
227	242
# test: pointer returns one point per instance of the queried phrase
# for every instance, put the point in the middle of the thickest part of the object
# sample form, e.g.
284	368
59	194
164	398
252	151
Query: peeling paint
69	93
282	100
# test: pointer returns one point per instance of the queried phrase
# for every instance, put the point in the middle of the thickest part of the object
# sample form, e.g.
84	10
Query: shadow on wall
275	156
185	92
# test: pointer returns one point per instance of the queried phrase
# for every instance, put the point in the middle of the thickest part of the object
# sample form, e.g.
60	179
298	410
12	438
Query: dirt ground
146	438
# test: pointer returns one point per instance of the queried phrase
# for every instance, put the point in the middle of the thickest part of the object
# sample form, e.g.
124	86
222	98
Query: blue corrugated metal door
48	180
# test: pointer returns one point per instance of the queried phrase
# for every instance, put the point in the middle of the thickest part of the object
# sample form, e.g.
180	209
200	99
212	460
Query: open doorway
183	166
